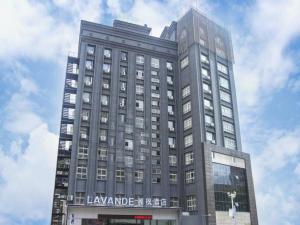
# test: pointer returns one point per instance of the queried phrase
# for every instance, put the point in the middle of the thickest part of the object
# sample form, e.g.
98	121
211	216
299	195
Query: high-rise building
150	131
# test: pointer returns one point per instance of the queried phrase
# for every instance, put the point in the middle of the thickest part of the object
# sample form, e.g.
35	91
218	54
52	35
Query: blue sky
36	37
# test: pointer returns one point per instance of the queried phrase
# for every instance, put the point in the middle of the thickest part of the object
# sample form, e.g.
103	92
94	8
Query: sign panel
126	202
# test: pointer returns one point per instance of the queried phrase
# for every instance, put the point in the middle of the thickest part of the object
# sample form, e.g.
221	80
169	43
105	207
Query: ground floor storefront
84	215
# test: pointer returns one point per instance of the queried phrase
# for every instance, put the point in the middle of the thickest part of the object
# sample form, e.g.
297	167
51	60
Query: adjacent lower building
149	130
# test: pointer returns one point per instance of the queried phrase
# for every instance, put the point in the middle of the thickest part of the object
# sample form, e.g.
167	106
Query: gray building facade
149	130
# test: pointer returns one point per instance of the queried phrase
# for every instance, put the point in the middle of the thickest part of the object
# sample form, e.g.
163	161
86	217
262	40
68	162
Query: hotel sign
126	202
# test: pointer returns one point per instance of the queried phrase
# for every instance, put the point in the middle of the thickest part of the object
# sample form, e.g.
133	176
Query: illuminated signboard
126	202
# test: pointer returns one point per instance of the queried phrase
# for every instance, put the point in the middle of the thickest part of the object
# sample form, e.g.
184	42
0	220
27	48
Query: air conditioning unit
104	120
70	198
83	136
103	138
172	145
171	113
106	86
171	128
170	97
85	118
123	88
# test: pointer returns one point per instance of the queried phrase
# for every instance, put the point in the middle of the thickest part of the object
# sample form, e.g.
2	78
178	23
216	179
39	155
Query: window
139	105
187	123
155	119
205	73
224	83
69	113
156	179
170	95
222	68
173	160
86	97
82	152
204	58
88	81
123	86
170	80
102	153
128	160
220	52
173	177
101	173
154	127
122	103
140	74
103	135
206	88
104	100
190	176
154	87
169	66
69	129
65	145
186	91
191	203
90	50
123	56
155	95
81	172
170	109
139	176
186	107
188	140
184	62
89	64
140	59
139	90
104	117
208	104
209	121
225	96
123	71
107	53
120	176
155	103
189	158
174	202
226	111
171	125
139	122
71	83
128	144
229	143
228	127
71	98
85	115
105	84
79	198
155	63
154	73
106	68
171	141
210	137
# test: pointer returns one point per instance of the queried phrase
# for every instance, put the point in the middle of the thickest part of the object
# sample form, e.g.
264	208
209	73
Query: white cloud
262	67
153	13
27	177
38	30
297	170
27	163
